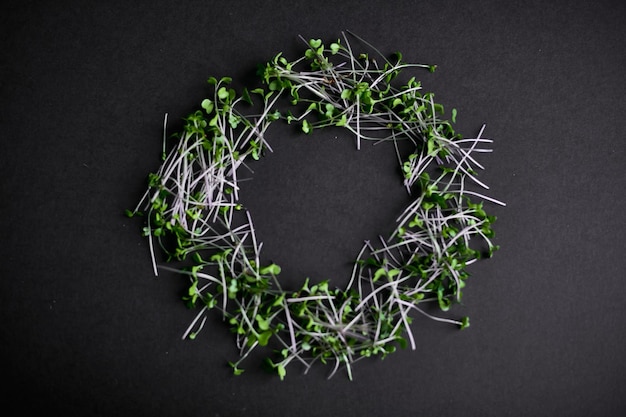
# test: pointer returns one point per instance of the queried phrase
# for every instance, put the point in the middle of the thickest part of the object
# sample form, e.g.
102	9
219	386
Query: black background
87	330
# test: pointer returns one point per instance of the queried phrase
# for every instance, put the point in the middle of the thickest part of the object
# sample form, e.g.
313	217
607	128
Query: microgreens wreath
194	212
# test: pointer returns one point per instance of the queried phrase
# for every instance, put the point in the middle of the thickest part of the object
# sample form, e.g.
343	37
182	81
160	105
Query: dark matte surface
86	330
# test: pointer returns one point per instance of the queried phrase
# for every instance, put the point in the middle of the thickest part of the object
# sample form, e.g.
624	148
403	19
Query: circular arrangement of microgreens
195	220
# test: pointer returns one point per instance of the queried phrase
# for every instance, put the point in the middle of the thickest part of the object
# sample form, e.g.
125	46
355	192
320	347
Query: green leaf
233	120
315	43
245	96
402	342
232	289
379	273
281	371
270	269
207	105
264	324
264	338
294	94
444	303
314	106
393	272
431	147
279	300
306	126
330	109
492	249
222	93
210	302
193	288
342	121
334	47
236	370
416	222
154	180
453	115
274	85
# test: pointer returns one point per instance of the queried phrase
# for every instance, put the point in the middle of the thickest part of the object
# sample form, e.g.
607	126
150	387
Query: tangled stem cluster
194	211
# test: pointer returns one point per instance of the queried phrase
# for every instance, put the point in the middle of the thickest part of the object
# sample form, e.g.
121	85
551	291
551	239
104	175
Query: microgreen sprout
194	213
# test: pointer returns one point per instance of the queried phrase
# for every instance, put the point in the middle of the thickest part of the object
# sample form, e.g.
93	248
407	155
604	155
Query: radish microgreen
195	216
